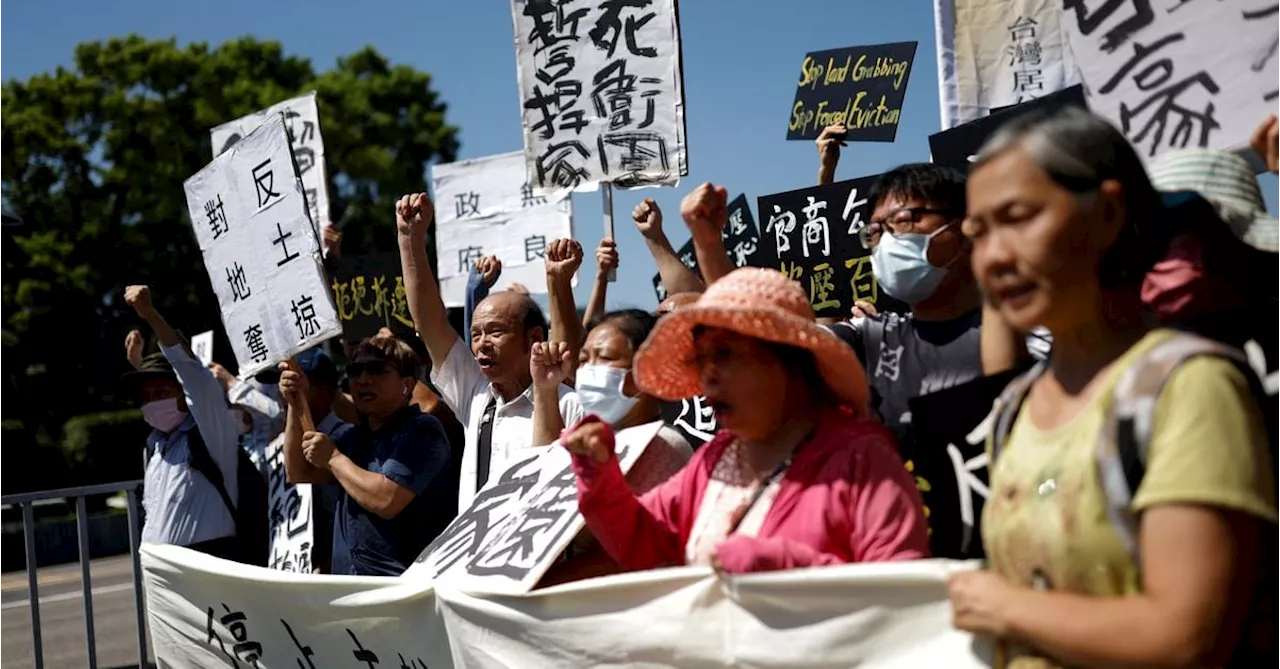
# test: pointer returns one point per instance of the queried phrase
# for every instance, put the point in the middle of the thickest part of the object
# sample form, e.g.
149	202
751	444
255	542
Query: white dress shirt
467	391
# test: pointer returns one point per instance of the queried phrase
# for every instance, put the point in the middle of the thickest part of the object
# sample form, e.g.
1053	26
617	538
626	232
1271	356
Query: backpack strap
1125	437
202	462
1006	407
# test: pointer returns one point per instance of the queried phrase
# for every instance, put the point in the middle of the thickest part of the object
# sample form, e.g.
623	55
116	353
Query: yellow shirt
1046	525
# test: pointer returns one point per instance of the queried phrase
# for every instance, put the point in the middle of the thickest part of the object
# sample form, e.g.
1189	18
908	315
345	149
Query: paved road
62	617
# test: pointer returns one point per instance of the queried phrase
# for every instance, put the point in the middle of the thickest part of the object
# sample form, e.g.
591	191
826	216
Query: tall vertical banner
601	93
251	223
302	119
1178	73
487	206
998	53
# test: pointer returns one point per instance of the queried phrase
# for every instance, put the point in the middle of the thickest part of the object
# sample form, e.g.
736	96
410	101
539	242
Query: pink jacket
845	498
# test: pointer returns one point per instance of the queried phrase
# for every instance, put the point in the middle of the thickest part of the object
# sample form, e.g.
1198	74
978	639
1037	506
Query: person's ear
536	334
1111	204
629	387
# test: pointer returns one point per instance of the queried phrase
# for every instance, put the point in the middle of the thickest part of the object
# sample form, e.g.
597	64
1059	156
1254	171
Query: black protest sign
369	293
862	87
741	241
954	147
948	458
693	417
816	235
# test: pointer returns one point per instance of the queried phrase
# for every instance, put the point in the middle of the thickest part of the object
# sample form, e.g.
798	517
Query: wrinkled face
901	214
742	379
377	389
161	388
606	345
1036	245
498	339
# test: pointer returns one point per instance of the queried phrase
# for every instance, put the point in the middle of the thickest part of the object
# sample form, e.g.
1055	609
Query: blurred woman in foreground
798	477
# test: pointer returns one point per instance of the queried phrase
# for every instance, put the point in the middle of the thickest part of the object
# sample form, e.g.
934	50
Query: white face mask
163	415
600	392
901	265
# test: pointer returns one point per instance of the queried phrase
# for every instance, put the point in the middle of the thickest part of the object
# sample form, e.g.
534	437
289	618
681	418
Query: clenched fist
563	257
549	364
139	297
490	268
705	210
414	214
592	438
648	218
606	257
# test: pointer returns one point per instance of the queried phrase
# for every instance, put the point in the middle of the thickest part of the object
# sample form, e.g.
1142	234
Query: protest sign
519	523
948	458
202	347
302	119
816	234
997	53
601	94
862	87
741	241
206	612
692	417
487	206
289	515
369	292
956	147
262	254
1178	73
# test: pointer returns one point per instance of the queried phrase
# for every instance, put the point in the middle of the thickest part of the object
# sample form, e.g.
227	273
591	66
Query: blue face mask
599	389
901	265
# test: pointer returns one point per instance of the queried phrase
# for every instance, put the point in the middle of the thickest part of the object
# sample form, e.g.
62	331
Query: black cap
153	366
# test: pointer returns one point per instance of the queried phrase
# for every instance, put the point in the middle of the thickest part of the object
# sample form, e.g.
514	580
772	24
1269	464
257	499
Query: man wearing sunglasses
399	485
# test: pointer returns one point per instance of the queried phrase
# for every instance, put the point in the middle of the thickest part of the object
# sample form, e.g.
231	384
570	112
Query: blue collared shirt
182	506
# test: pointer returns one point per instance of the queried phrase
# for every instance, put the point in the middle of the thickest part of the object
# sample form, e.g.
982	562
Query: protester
395	469
562	258
193	436
705	212
606	266
259	416
673	274
799	477
487	387
1084	568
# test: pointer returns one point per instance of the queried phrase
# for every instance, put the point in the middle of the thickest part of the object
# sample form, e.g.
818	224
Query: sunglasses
373	368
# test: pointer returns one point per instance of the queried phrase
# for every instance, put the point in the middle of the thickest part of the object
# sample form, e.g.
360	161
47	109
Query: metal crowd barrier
26	501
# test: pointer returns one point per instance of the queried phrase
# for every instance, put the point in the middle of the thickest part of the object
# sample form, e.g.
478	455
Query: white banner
261	251
290	510
1178	73
302	118
206	612
601	93
996	53
486	207
519	523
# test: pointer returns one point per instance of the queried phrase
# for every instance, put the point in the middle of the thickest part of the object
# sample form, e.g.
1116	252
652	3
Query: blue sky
741	60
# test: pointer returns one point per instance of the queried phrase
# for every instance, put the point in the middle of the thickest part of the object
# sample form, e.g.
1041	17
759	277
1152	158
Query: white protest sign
207	612
202	347
261	251
601	92
519	523
997	53
302	118
486	207
289	515
1178	73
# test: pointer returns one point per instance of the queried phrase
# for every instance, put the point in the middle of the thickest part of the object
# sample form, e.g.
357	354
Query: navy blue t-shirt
413	451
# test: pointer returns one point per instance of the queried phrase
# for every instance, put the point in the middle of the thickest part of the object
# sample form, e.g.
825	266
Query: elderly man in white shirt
488	385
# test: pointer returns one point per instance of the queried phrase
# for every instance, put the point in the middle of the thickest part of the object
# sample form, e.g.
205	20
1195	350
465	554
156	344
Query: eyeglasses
899	221
374	368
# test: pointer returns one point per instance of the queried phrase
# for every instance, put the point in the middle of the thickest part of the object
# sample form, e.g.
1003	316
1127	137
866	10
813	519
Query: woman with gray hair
1131	483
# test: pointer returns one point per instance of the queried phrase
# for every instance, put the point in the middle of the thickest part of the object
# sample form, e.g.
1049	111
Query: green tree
93	161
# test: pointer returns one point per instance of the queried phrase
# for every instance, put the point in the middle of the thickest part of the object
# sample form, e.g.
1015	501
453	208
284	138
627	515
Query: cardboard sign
956	147
816	234
862	87
369	292
520	522
948	458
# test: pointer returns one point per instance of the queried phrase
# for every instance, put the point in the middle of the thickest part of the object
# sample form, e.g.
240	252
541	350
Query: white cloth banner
486	207
206	612
289	515
519	523
1178	73
601	92
302	118
261	251
996	53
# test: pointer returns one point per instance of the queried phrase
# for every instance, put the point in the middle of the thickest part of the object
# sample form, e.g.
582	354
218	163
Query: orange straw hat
758	303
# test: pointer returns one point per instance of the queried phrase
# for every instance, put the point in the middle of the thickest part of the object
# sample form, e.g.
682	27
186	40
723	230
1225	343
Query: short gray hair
1078	150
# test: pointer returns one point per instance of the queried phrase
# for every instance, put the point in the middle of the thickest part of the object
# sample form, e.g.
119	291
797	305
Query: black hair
635	324
531	317
935	184
390	350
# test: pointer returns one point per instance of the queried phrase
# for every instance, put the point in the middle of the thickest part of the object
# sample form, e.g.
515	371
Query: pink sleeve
888	520
639	533
741	554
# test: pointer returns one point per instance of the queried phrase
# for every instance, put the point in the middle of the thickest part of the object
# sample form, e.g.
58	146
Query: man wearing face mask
920	257
187	410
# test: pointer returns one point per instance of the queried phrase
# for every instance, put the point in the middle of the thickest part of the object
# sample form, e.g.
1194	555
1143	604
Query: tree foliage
93	162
